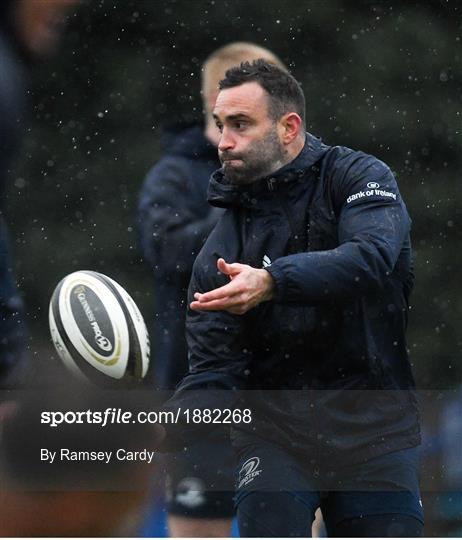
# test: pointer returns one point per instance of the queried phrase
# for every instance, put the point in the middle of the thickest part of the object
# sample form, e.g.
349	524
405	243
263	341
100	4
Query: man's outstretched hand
248	287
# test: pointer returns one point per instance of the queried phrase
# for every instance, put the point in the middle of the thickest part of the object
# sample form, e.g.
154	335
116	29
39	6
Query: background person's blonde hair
226	57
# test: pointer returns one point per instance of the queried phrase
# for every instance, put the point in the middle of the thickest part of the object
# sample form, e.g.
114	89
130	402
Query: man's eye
240	125
219	127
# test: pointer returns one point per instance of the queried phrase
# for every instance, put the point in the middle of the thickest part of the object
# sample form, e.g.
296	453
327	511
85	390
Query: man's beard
261	158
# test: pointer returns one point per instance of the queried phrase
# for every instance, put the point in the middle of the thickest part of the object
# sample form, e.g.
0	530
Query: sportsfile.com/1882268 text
113	415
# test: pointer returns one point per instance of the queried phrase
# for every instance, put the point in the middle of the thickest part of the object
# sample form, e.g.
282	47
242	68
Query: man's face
250	147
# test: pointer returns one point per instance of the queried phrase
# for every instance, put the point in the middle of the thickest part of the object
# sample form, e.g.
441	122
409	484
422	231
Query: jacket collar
224	194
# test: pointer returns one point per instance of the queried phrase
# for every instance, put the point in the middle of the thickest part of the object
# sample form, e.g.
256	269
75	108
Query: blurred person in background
72	497
29	31
175	220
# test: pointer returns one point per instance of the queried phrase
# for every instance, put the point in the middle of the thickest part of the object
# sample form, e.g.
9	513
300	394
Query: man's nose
226	141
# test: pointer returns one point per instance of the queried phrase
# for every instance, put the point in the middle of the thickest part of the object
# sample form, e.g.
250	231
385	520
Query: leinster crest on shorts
249	471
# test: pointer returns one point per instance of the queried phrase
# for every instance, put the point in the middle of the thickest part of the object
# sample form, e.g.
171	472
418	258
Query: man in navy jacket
306	315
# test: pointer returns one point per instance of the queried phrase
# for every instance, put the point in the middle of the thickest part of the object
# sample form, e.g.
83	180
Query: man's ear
290	124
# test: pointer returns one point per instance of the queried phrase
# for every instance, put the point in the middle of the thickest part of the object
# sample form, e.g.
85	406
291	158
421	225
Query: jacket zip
303	245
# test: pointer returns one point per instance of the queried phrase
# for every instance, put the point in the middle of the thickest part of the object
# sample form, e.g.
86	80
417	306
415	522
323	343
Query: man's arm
372	230
172	227
373	226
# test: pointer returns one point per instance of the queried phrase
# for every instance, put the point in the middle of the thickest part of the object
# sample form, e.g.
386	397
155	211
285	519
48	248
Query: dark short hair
285	93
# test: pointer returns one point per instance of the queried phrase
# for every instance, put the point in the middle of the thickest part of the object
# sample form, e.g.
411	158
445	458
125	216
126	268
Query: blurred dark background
383	77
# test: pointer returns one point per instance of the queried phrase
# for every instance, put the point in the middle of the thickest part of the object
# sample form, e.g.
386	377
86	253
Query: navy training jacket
174	222
323	366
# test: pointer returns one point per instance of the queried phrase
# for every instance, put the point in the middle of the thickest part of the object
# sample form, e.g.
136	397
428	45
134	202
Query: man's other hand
248	287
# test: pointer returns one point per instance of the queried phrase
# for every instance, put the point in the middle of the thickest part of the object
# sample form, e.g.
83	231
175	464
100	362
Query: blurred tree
384	77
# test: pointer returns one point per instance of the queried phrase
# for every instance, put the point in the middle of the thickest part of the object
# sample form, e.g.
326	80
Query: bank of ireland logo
373	185
249	471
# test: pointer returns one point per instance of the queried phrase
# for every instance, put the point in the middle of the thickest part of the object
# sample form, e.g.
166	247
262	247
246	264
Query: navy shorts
278	491
200	480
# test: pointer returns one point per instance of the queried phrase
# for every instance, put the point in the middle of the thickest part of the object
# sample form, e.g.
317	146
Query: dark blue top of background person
174	221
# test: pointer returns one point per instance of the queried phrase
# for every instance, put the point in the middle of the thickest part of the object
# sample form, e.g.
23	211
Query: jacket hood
223	194
188	142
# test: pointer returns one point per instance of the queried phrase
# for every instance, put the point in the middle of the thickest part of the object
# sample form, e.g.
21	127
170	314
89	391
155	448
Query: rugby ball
97	329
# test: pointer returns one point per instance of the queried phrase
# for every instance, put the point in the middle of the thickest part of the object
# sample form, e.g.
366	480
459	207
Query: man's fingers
229	269
223	266
237	296
232	305
236	307
228	290
214	305
238	303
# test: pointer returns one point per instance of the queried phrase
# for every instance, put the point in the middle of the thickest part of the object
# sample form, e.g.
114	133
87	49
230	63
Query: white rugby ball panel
140	328
61	347
138	361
